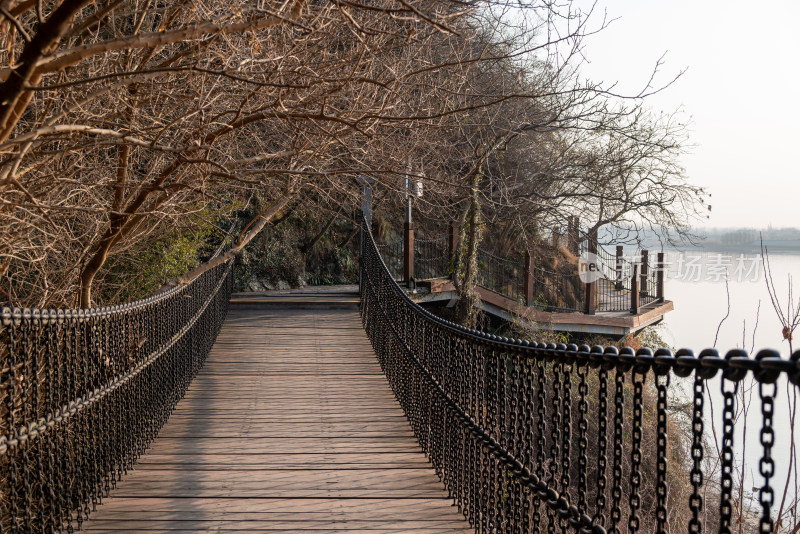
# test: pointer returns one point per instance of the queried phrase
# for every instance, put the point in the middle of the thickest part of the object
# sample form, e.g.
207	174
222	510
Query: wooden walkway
290	427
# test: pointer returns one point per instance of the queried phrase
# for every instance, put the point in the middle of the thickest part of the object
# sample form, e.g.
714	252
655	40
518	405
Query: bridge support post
408	252
660	275
618	282
635	290
643	274
528	278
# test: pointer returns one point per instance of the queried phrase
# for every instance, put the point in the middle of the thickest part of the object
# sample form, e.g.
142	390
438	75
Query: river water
708	312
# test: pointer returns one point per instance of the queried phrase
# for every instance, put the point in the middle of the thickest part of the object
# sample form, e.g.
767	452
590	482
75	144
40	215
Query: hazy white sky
741	91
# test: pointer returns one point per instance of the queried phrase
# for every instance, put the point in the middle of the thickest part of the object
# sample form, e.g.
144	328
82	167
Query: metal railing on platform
503	276
393	256
431	258
522	281
558	292
534	437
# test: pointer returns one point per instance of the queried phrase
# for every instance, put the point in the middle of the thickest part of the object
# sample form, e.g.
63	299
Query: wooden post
528	280
590	304
643	288
618	283
592	244
660	272
408	252
574	235
635	290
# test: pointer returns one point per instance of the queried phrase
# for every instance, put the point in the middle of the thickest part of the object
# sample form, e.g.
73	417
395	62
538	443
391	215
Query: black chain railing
518	452
83	392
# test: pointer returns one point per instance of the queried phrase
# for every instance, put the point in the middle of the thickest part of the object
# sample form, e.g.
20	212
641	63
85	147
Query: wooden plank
290	427
260	525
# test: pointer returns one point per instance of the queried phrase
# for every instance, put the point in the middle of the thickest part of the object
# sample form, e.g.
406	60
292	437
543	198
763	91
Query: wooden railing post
660	274
618	283
590	298
590	304
635	290
528	280
408	252
643	274
574	235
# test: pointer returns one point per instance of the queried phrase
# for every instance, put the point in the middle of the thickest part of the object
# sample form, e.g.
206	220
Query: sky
740	92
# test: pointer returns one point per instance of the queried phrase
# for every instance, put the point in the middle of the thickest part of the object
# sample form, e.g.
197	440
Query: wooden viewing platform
290	427
617	324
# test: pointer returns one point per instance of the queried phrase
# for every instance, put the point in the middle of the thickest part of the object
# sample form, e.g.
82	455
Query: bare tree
121	119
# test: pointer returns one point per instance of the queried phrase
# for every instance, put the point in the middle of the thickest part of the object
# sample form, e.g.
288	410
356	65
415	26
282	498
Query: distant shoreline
778	248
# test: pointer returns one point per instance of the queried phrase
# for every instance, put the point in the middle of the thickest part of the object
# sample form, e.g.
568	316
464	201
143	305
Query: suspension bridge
357	410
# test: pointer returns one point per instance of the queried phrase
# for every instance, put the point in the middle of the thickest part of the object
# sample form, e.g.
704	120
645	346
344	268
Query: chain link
696	476
766	467
726	478
662	383
636	452
616	490
602	447
583	442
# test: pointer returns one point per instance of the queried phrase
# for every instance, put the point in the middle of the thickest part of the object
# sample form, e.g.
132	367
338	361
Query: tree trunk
252	229
466	279
305	248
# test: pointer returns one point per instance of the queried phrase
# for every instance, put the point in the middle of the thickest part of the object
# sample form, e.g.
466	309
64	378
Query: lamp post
413	189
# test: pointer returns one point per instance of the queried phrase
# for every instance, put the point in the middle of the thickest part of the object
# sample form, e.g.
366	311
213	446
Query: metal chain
696	476
616	490
555	444
540	431
726	479
583	442
12	380
636	452
84	391
662	383
602	446
566	435
766	466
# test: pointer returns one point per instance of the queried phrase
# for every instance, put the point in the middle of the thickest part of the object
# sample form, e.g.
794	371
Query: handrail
517	449
83	392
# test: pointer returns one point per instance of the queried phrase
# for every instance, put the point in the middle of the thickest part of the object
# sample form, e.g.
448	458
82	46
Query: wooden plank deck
290	427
